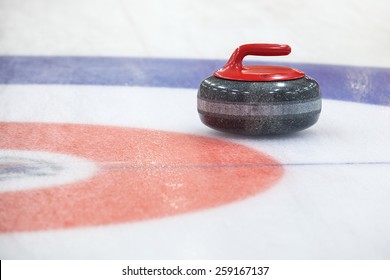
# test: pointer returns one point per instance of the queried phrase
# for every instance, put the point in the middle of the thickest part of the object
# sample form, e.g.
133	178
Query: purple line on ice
349	83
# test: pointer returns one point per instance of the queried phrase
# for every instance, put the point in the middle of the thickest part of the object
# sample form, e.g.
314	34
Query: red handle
238	55
234	70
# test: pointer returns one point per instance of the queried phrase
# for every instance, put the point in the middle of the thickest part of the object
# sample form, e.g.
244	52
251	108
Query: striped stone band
237	109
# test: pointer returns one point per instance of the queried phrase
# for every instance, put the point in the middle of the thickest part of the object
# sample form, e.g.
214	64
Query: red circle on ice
143	174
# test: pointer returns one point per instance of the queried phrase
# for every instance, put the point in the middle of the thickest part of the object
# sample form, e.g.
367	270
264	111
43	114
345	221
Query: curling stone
259	99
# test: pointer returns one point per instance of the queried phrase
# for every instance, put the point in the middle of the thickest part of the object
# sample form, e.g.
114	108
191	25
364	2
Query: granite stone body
259	108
